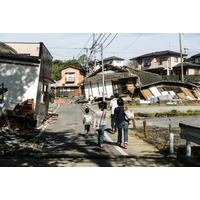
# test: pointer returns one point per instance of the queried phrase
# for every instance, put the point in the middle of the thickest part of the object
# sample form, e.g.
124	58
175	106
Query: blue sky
65	46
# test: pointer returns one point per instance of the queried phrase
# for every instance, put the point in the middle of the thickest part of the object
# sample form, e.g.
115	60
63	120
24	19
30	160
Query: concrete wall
26	48
21	81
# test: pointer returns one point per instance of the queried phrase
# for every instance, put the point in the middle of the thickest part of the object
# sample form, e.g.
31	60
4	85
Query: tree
133	64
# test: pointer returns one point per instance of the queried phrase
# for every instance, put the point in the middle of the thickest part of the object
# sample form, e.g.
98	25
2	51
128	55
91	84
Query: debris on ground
21	118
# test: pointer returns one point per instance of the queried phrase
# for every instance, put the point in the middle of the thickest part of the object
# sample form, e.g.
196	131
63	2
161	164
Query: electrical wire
111	41
83	47
190	43
59	55
131	43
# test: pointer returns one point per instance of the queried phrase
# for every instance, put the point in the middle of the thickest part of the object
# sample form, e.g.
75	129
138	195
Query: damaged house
25	70
167	92
117	80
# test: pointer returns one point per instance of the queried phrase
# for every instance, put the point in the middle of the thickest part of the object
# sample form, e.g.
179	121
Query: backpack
128	115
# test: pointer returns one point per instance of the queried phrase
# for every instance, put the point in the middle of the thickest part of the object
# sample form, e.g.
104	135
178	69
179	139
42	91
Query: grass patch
187	112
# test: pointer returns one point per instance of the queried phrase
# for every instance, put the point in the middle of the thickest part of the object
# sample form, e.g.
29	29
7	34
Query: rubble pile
21	118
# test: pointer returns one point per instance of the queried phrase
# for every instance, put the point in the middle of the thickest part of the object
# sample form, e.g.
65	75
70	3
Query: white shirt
113	105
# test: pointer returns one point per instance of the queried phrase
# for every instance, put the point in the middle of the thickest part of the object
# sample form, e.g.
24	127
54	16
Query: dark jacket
119	114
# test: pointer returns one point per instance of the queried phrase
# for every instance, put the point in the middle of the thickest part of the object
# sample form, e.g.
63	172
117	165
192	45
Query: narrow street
70	148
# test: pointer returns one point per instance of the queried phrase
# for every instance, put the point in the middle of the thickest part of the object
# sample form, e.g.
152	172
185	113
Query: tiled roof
187	64
113	58
158	53
18	57
145	77
196	55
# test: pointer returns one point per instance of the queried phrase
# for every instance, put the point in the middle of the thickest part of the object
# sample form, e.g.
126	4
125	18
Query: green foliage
187	78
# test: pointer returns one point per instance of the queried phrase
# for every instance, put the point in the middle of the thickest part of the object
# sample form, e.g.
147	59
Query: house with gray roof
195	58
160	62
115	61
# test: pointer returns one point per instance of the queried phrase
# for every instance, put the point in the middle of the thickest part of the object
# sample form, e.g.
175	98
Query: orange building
68	84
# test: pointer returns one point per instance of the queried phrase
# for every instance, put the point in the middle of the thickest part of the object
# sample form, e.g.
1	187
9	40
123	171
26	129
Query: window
70	76
70	90
175	59
44	89
118	61
147	62
162	59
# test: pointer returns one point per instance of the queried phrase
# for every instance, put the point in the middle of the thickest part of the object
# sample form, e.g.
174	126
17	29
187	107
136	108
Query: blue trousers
124	126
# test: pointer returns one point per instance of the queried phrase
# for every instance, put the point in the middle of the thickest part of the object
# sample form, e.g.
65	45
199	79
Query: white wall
21	81
87	90
118	63
98	91
95	90
109	88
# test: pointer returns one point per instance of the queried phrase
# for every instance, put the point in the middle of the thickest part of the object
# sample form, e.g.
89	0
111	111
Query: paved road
68	132
68	147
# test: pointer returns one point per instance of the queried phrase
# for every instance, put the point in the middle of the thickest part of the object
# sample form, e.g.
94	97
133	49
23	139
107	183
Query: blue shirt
119	114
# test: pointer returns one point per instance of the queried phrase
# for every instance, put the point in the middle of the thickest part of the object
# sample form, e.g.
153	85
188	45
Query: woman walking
100	123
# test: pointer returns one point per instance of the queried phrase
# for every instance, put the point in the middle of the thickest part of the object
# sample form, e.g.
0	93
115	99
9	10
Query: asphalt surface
70	142
68	146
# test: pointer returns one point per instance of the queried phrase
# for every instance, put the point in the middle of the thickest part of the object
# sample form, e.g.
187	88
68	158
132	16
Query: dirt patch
159	137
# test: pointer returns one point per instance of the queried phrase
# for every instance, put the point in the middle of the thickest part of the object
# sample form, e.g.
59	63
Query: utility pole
182	78
94	42
102	72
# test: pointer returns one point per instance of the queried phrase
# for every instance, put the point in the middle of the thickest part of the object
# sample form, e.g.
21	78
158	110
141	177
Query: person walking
113	105
87	121
100	123
121	123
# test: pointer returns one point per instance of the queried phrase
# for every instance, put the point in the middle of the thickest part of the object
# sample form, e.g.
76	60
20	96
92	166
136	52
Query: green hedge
187	78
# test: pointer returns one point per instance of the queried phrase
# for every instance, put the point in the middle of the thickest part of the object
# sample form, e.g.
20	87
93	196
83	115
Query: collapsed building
116	80
135	84
167	92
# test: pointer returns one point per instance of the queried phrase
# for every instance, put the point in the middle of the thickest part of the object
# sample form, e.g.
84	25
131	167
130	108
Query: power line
190	43
60	55
106	38
111	41
131	43
84	46
102	38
